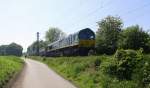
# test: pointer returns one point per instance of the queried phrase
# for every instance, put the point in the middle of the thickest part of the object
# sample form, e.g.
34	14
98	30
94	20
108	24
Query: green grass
90	72
9	65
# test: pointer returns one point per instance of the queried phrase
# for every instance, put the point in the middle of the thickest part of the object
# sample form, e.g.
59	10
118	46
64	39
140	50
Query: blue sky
21	19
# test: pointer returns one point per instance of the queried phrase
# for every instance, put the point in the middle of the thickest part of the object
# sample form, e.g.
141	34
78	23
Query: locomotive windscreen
86	34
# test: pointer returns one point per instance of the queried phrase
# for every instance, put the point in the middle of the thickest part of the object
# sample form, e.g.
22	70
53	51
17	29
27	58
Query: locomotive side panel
79	43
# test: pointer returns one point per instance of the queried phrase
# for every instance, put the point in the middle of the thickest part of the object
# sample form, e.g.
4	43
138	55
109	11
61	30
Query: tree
3	49
11	49
107	34
54	34
134	37
14	49
32	49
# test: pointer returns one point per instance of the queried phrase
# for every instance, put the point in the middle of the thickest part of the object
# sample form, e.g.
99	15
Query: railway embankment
124	69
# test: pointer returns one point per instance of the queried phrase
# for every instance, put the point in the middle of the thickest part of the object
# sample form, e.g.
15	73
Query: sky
21	19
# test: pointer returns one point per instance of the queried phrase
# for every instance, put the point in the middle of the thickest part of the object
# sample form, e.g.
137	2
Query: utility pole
37	52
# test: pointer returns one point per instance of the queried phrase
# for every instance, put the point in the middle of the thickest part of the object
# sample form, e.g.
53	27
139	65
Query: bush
81	70
146	74
124	64
134	37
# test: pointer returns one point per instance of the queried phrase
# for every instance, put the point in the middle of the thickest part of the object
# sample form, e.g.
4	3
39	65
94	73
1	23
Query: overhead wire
135	9
71	12
92	13
136	18
76	23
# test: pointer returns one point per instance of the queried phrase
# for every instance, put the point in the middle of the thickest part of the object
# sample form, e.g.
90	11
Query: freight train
80	43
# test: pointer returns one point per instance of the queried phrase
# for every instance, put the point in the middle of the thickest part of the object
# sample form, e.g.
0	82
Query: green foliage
107	34
83	71
104	71
146	75
32	49
53	34
9	65
134	38
125	63
12	49
2	49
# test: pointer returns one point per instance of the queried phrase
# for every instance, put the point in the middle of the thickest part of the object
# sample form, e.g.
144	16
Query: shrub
134	37
146	74
124	64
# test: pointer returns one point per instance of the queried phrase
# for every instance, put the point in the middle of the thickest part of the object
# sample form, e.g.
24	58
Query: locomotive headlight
92	37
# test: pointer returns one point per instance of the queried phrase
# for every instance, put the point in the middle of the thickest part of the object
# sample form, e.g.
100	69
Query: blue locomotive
80	43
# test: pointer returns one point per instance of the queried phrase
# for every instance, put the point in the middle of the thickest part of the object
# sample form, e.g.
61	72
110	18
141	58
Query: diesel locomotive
80	43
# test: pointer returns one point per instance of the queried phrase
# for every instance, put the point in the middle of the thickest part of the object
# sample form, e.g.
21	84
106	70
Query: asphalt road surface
38	75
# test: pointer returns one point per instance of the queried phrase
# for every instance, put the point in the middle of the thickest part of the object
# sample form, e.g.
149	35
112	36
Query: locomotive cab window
86	34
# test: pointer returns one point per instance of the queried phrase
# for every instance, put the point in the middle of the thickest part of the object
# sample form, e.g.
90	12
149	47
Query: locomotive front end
86	41
86	38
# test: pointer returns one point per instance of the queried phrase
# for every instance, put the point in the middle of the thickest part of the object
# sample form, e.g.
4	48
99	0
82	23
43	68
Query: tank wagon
80	43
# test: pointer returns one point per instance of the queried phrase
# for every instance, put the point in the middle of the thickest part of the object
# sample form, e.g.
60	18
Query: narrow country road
38	75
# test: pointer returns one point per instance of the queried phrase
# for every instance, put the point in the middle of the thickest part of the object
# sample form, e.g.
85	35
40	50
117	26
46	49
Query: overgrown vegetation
124	63
134	37
11	49
126	69
107	34
9	66
130	65
111	36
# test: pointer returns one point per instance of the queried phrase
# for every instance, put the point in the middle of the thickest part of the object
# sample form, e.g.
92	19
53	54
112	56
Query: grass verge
9	66
91	71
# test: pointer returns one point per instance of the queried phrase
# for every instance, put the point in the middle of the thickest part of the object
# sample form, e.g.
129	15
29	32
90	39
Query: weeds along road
38	75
